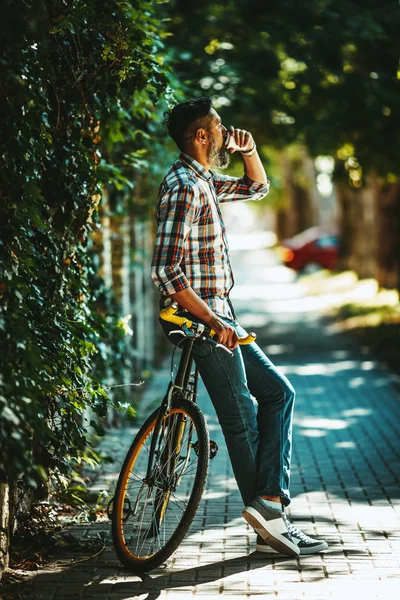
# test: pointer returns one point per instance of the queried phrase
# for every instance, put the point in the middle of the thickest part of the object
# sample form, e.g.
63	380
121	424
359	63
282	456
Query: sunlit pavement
345	472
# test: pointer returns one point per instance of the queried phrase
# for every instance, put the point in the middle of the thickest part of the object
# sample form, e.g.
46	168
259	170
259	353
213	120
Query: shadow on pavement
101	579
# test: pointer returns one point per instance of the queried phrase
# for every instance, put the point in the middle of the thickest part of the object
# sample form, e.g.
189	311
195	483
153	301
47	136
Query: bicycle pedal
213	449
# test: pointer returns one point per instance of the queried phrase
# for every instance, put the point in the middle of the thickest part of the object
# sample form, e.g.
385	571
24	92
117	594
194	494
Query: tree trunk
387	223
300	210
314	202
358	230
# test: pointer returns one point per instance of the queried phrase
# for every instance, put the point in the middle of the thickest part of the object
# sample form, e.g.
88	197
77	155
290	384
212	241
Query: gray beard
218	158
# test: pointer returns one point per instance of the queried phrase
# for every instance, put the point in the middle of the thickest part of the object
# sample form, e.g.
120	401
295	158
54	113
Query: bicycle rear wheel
150	517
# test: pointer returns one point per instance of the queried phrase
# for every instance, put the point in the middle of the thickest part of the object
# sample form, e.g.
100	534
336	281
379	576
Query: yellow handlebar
169	314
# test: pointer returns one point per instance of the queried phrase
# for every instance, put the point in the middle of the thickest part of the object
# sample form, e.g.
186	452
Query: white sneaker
271	524
305	543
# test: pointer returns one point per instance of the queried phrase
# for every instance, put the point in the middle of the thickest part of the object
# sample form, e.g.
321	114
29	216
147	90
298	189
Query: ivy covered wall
78	101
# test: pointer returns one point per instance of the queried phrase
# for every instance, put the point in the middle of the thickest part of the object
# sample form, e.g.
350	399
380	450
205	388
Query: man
191	266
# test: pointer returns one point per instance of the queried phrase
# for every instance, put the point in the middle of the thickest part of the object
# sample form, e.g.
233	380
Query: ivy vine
77	101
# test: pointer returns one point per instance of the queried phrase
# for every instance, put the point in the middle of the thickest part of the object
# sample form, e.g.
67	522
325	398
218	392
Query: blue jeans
258	432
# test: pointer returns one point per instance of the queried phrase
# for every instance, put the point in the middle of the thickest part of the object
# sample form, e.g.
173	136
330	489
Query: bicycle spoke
175	513
143	513
184	507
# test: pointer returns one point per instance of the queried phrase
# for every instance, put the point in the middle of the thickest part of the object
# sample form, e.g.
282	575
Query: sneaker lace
294	531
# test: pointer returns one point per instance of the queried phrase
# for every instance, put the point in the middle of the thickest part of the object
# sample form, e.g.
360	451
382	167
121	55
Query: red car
313	249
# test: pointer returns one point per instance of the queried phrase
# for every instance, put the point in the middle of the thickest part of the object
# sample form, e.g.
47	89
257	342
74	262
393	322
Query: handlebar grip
169	314
248	339
243	341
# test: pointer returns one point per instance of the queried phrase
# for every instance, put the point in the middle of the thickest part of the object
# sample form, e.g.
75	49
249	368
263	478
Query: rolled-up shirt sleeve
230	189
175	214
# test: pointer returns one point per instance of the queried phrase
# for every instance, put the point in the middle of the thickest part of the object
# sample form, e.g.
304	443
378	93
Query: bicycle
164	473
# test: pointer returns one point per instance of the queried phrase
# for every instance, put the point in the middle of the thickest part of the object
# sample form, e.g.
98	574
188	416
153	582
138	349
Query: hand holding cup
238	140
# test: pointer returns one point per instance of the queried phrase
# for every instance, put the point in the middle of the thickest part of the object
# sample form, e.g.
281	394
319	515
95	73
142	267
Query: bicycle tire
128	558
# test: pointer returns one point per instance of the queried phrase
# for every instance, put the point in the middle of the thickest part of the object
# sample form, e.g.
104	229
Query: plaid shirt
191	245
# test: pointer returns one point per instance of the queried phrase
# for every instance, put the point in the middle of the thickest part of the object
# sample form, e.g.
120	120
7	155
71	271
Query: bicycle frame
178	386
191	331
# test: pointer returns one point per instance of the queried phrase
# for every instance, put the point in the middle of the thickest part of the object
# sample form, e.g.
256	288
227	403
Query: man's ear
201	136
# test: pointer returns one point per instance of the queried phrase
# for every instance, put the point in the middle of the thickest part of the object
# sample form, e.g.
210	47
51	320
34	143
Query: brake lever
185	332
177	331
224	348
206	339
217	345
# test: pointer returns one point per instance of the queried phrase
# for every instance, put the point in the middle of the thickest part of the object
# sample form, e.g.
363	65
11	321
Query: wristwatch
250	152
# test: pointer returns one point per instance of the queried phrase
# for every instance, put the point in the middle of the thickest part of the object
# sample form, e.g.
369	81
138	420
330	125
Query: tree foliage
319	72
78	88
80	82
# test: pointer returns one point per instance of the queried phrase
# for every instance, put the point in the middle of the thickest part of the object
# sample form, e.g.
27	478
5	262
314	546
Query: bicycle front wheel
151	515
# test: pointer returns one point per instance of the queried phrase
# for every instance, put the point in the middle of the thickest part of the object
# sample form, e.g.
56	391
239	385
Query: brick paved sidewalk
344	487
